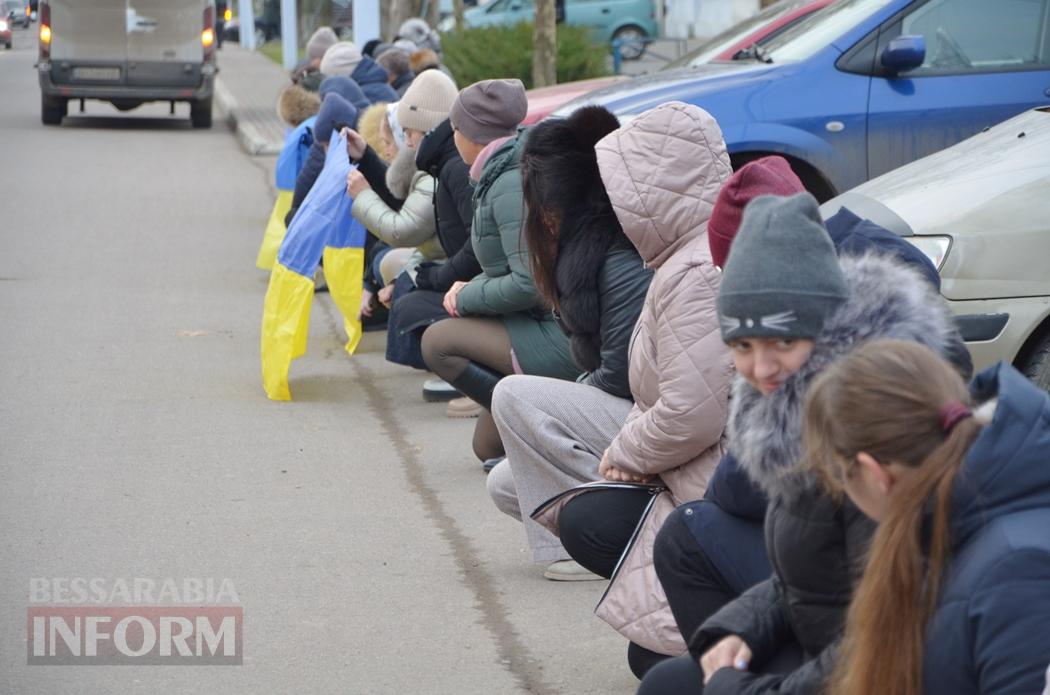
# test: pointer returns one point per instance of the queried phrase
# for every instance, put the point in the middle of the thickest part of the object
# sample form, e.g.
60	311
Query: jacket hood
296	104
346	88
886	299
504	156
663	171
437	149
853	236
400	172
369	72
1006	470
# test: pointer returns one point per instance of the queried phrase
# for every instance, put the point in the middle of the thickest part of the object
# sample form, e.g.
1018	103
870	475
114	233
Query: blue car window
820	29
979	36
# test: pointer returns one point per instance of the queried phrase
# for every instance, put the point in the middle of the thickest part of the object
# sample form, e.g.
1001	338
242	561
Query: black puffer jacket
453	209
815	544
600	310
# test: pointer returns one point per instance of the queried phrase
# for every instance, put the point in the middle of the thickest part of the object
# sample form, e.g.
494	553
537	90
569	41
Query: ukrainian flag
322	228
289	164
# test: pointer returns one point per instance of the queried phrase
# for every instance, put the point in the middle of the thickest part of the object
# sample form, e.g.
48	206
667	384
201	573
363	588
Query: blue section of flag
293	155
324	217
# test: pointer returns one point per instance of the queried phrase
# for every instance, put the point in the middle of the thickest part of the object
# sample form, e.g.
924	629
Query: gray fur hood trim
399	175
887	299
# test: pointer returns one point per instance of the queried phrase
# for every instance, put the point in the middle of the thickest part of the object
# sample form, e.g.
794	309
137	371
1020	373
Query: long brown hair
886	399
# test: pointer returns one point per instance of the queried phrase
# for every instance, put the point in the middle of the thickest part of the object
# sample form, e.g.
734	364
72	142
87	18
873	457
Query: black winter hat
782	279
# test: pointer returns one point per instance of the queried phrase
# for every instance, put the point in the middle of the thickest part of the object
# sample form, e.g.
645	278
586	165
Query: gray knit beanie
427	101
322	39
489	110
341	59
782	279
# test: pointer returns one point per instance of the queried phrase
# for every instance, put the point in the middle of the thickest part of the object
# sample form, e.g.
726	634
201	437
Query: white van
127	52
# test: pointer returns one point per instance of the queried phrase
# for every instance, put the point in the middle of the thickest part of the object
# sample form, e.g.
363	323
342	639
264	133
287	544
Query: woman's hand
731	652
355	144
619	475
450	298
366	305
386	295
355	183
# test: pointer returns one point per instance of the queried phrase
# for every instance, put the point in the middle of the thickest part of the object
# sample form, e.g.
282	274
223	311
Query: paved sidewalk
246	94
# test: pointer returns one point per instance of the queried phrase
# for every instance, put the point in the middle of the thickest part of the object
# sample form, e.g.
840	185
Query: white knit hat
340	59
427	101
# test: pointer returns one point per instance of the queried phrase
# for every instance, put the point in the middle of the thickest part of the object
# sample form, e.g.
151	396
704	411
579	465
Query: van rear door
90	38
164	42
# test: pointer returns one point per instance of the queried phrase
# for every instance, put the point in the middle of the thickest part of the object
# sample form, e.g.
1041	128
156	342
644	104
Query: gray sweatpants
554	433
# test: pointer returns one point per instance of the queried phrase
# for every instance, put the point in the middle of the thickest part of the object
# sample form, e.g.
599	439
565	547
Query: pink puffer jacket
662	172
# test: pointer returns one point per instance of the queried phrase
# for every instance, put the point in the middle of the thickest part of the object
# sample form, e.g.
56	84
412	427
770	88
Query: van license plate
96	73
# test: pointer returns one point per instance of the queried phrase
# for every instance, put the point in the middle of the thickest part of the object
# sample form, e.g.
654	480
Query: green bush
506	51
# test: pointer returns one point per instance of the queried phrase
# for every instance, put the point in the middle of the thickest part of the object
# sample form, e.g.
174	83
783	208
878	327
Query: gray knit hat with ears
782	279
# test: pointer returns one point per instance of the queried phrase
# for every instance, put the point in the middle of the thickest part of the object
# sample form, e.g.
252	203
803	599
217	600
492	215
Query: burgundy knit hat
766	176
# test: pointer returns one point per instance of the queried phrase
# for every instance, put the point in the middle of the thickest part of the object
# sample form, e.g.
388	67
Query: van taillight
208	33
44	15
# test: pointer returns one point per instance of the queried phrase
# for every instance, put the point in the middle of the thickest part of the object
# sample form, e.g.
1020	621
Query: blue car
864	86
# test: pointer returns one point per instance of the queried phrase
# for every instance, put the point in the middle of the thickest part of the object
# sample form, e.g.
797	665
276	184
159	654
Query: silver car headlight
933	247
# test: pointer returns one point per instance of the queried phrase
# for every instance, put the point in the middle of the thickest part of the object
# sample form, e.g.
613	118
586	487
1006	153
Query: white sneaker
569	571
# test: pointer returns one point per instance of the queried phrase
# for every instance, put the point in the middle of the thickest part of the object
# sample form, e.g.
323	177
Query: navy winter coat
373	81
991	630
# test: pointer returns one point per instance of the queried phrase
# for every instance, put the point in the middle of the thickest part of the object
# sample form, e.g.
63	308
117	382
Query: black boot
477	383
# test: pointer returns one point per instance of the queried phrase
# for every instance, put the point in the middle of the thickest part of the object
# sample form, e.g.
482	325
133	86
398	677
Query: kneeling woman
790	308
961	556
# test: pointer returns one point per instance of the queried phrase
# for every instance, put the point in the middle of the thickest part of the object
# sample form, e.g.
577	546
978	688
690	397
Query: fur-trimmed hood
400	173
887	299
296	104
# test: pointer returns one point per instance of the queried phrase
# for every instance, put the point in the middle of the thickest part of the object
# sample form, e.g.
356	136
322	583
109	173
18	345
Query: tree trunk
544	45
457	11
400	10
433	13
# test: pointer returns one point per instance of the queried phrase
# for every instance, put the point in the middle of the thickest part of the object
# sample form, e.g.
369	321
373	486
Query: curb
247	134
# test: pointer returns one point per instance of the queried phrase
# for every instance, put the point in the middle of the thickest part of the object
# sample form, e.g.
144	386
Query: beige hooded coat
662	172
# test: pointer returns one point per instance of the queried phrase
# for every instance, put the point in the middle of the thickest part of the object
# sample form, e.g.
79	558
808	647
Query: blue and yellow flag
322	228
289	164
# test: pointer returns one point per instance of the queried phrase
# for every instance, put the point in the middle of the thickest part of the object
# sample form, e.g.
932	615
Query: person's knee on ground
500	485
641	660
680	674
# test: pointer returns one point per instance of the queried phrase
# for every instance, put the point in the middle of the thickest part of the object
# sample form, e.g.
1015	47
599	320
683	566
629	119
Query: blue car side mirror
904	53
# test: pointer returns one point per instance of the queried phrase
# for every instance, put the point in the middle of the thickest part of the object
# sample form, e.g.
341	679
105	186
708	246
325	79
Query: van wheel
200	113
1037	366
53	110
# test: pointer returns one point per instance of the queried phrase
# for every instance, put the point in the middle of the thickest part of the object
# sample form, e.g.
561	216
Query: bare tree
457	12
433	12
544	45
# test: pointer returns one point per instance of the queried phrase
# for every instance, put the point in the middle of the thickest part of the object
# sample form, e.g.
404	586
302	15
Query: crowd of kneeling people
759	424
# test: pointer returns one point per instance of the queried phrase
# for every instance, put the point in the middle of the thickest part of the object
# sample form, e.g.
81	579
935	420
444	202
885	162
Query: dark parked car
14	12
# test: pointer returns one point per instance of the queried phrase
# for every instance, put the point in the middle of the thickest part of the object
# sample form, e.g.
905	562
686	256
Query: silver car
980	210
127	52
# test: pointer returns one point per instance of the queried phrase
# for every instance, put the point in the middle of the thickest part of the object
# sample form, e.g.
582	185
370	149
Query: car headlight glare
3	25
933	247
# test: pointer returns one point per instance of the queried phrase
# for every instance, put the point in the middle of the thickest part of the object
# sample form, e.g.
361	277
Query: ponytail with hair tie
952	414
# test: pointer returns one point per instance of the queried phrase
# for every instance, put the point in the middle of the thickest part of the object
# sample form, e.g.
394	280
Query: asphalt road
136	441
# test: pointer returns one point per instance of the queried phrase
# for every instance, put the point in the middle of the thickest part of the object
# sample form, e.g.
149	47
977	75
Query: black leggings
595	528
449	348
